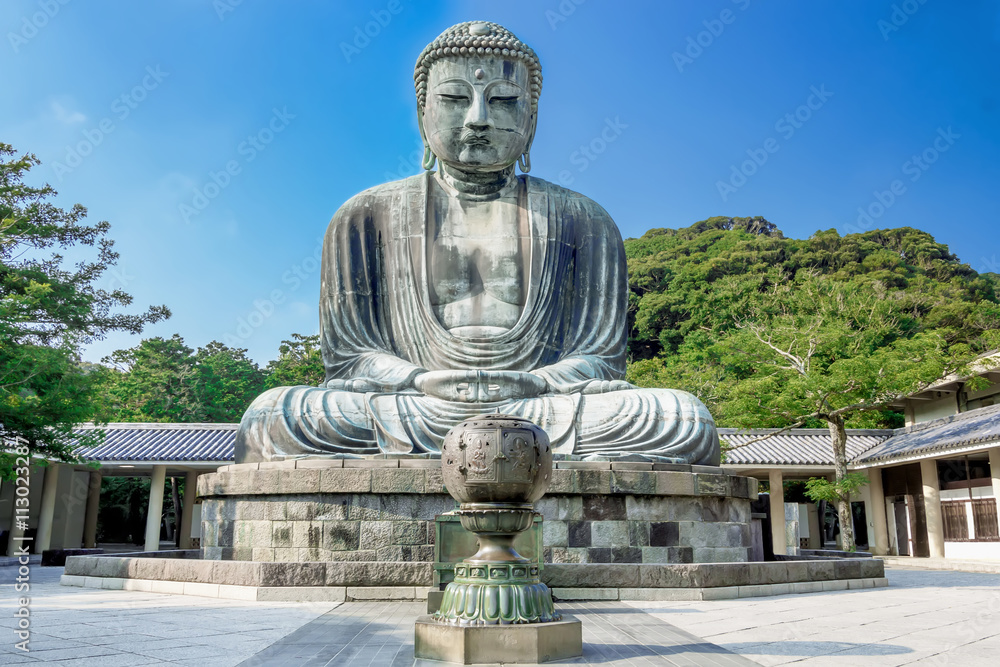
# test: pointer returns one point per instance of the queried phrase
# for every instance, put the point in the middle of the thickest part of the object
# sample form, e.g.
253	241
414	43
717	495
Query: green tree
48	311
778	332
164	380
823	350
299	362
228	381
155	381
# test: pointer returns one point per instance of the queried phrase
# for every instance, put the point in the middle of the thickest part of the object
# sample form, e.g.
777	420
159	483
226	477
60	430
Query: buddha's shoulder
584	208
382	193
555	191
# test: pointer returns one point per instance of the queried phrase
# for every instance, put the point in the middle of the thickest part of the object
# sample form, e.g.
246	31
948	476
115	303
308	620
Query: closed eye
505	98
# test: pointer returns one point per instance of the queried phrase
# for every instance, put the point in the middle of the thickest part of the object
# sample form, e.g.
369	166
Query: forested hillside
697	292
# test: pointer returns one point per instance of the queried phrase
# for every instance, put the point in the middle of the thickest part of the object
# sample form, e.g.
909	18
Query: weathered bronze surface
471	288
496	466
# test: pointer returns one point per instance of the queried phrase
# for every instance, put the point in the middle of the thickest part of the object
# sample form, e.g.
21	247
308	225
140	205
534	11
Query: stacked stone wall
384	509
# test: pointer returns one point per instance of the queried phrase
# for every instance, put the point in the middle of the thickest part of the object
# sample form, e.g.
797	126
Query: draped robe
378	325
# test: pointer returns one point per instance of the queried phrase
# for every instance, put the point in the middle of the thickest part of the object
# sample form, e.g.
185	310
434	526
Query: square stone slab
527	643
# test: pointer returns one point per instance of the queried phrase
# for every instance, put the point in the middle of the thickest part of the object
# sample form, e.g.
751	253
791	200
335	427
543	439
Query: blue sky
218	138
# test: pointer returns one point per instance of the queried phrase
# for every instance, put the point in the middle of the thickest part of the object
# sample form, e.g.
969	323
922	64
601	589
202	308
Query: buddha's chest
477	258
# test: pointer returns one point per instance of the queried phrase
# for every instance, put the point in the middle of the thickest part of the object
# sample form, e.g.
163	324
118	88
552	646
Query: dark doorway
904	482
860	525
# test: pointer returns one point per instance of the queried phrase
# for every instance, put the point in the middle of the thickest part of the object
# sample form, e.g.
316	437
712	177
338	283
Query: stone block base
529	643
383	510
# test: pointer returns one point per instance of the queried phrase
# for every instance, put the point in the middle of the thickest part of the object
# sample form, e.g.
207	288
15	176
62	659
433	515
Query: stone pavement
989	566
80	627
380	634
924	617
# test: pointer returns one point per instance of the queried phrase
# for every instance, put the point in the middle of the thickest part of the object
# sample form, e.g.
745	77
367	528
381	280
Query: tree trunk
175	531
838	436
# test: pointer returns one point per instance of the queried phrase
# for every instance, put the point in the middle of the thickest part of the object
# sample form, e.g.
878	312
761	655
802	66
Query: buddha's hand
479	386
605	386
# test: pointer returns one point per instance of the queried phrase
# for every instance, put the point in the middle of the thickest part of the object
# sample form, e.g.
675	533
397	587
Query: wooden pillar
93	507
157	480
932	507
190	495
777	496
880	525
46	513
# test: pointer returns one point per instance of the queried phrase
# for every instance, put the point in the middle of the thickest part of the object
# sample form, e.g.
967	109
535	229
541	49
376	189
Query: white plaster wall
963	494
972	550
927	410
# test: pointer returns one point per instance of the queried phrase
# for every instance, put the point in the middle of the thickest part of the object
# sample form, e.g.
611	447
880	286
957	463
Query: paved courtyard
923	618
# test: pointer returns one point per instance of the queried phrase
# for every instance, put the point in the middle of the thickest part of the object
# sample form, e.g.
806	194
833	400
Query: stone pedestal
384	509
528	643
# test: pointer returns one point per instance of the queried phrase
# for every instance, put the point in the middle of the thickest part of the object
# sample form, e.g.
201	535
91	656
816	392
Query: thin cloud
66	116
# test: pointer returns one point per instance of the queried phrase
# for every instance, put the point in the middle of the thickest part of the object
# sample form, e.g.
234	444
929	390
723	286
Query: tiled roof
801	446
966	429
798	447
164	442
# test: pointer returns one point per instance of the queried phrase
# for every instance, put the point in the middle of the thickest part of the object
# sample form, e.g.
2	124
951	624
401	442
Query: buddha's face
478	112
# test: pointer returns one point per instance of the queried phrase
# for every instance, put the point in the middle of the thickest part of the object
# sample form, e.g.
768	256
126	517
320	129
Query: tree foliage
49	309
721	278
164	380
299	362
777	332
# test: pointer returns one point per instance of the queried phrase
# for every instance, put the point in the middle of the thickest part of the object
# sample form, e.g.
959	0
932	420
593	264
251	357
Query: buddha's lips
473	139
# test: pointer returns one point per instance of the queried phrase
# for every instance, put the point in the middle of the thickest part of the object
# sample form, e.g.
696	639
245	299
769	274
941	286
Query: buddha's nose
478	117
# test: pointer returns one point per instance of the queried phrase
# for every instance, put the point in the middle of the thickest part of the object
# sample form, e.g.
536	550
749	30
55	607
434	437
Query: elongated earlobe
429	157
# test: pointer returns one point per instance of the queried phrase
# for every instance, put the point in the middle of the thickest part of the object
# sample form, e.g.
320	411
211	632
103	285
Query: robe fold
377	325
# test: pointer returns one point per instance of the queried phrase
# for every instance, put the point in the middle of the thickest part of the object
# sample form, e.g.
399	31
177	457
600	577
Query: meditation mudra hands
479	386
471	386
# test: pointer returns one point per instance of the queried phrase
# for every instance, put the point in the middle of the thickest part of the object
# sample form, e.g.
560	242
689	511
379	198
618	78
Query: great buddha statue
472	289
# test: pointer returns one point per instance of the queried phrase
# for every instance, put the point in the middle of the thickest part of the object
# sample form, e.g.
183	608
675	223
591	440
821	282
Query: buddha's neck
478	185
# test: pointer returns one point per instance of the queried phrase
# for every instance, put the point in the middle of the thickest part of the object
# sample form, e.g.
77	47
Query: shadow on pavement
815	648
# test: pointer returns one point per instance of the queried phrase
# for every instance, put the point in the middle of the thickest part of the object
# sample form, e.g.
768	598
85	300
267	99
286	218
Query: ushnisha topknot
482	38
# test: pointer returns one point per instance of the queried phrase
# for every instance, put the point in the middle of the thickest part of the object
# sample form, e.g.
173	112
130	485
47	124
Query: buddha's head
477	98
